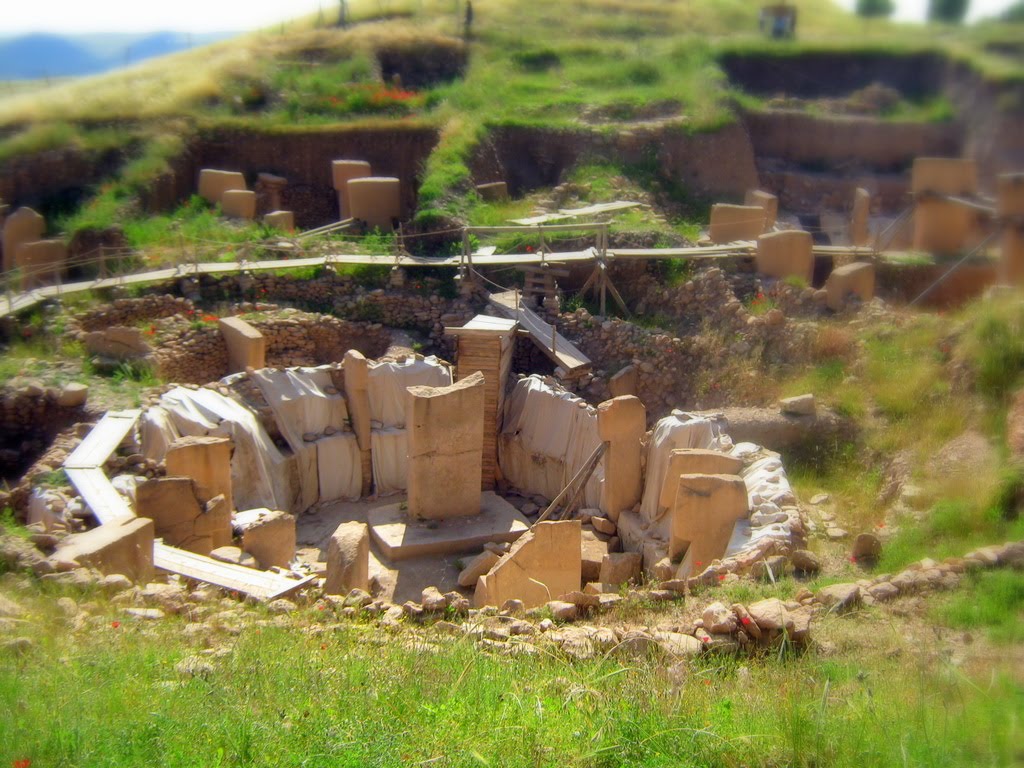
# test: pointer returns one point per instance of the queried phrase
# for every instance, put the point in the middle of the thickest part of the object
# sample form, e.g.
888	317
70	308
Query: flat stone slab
399	537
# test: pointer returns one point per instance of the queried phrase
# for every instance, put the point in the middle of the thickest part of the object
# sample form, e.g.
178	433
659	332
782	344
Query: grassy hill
603	65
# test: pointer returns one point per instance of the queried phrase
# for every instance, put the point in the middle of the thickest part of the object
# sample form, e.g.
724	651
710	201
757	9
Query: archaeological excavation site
421	387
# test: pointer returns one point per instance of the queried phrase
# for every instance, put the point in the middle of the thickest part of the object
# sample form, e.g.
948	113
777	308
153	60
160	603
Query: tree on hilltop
870	9
949	11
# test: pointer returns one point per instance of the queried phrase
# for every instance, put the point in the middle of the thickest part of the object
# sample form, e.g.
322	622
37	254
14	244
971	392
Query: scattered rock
820	498
801	405
840	598
867	547
282	606
805	562
563	611
603	525
718	619
433	601
148	614
835	533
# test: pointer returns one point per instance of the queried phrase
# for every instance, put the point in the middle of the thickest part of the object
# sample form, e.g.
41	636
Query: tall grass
312	693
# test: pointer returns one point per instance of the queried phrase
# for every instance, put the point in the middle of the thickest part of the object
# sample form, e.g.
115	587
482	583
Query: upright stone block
268	535
207	461
348	558
693	461
766	201
343	171
730	223
703	517
179	519
857	279
376	201
542	565
494	191
624	382
238	204
445	434
42	262
124	547
942	226
860	227
621	423
786	254
22	226
213	183
269	191
282	220
246	346
944	175
1010	208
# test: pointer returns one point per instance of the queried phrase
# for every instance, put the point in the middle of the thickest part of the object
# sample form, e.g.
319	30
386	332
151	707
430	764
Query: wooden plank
263	585
565	354
99	495
102	439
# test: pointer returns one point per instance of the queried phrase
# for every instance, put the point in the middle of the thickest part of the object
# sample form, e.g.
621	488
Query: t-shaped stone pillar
621	423
357	397
207	461
703	517
446	445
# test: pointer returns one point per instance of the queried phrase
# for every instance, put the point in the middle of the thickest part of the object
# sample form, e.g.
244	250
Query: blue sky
83	16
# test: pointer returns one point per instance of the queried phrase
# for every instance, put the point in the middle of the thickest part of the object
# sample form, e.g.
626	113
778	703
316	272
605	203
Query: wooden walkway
12	303
558	348
84	468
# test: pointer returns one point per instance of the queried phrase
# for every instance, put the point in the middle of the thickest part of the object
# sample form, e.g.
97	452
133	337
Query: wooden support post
604	289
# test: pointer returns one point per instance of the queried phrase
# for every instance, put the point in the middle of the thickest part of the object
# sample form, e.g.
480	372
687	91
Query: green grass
953	525
994	602
349	696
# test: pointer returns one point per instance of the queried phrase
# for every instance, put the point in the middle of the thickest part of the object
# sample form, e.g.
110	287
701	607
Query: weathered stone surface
678	644
705	512
542	564
857	279
621	423
766	201
348	554
592	554
789	253
801	405
118	343
719	619
342	171
73	395
840	598
867	547
445	434
214	183
477	567
247	348
22	226
179	519
620	567
433	601
124	548
730	223
207	461
562	611
238	204
805	561
770	615
42	262
282	220
375	200
268	535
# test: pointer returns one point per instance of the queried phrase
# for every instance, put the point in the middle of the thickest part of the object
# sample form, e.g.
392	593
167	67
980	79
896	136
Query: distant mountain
41	55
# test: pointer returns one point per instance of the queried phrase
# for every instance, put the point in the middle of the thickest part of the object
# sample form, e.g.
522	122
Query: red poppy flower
323	646
25	763
115	624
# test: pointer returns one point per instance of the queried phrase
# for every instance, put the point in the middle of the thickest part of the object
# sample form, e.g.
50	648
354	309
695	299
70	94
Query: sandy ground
397	582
